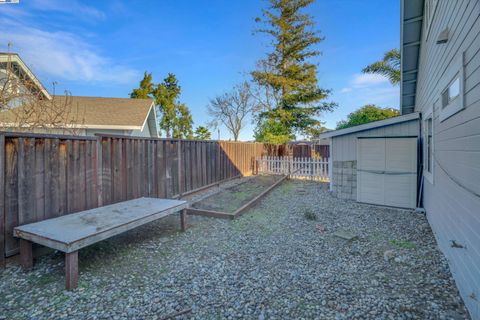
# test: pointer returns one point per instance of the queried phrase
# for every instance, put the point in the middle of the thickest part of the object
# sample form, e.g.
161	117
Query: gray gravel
279	260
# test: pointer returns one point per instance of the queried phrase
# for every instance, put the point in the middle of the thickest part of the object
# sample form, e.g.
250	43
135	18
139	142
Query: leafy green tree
166	96
389	66
274	132
288	72
182	123
367	114
313	133
145	90
202	133
175	118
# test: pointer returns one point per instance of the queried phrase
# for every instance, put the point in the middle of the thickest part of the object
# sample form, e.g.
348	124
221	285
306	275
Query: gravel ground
280	260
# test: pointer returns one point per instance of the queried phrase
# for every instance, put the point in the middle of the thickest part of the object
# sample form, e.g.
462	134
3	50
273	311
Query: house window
452	95
428	145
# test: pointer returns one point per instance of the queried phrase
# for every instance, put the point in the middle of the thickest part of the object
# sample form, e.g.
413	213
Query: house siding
150	128
92	132
452	199
141	133
344	155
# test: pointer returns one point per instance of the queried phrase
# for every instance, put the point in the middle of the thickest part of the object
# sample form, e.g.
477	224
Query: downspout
420	177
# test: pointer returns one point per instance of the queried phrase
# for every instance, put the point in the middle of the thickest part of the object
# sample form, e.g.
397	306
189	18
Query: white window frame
457	104
427	115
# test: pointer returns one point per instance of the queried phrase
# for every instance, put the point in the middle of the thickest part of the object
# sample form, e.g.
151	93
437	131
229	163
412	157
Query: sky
102	48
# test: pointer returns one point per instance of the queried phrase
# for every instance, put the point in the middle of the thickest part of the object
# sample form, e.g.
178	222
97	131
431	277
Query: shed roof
370	125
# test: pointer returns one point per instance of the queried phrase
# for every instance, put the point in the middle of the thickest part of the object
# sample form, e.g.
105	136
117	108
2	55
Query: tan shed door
387	171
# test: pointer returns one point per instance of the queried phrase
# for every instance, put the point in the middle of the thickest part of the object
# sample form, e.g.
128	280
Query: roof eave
370	125
74	126
411	25
152	108
16	58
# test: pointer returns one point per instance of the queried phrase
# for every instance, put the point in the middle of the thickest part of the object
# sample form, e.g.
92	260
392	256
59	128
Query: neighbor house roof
21	68
370	125
411	20
96	112
124	113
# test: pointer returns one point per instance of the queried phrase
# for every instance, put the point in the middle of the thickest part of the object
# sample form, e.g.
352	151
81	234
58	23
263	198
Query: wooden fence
307	151
298	168
45	176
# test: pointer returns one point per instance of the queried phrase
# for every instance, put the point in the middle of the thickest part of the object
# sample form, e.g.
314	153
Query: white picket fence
297	168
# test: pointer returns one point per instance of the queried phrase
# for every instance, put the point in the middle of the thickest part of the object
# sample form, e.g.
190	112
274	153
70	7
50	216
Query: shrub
310	215
405	244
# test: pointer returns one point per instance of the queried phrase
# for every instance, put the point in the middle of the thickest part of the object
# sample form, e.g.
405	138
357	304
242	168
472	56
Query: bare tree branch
23	107
232	108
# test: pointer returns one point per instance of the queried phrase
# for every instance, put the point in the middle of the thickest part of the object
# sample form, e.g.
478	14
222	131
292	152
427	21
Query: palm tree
389	66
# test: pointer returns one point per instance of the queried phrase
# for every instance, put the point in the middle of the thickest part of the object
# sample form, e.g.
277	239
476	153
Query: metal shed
377	162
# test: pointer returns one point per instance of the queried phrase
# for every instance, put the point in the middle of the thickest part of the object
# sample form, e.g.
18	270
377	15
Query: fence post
325	168
2	201
180	176
312	168
99	175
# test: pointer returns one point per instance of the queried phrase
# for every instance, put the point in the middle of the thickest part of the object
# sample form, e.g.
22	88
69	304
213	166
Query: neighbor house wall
149	129
92	132
452	198
344	155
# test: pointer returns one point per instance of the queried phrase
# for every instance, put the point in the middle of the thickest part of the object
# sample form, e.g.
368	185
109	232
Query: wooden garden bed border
246	206
208	186
239	211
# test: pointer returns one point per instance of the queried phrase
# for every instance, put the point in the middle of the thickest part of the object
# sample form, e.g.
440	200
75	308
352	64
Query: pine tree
182	124
175	117
166	96
145	89
288	72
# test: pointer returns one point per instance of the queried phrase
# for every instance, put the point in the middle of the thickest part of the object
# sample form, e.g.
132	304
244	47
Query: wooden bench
75	231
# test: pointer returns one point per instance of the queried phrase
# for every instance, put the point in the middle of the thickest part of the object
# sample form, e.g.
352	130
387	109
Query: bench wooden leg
183	219
71	270
26	254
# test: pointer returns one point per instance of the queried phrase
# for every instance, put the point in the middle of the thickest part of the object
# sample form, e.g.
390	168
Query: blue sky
102	48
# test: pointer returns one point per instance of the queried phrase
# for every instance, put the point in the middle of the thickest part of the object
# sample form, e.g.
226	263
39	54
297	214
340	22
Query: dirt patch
230	199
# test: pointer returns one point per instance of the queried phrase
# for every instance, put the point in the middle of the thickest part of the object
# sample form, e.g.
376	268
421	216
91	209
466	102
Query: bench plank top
74	231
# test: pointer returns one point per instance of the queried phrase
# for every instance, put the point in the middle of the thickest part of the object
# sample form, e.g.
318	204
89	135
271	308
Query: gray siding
141	133
452	201
150	128
344	155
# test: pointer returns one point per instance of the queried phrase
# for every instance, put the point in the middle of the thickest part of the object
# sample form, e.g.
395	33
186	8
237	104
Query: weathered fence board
45	176
2	200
